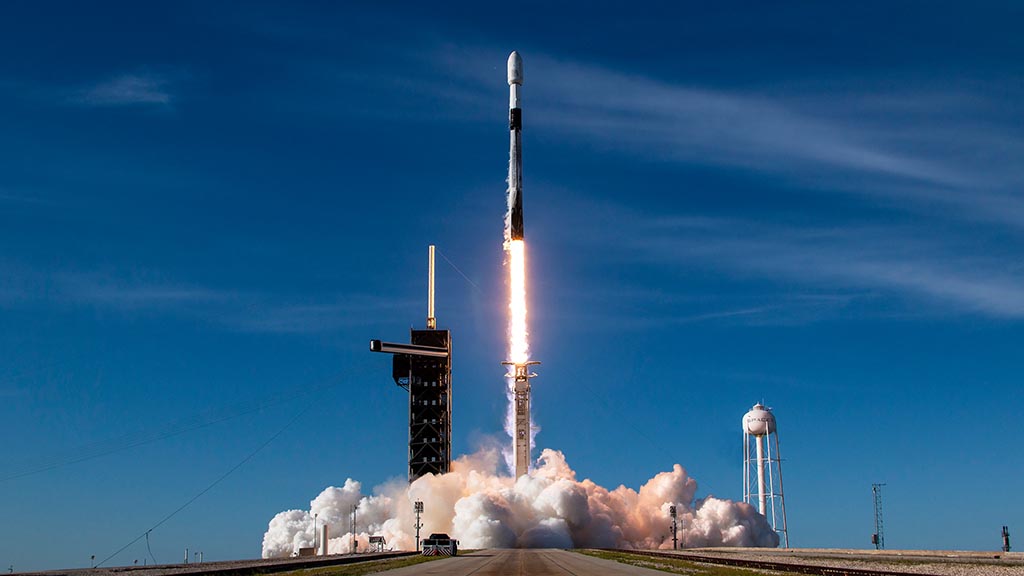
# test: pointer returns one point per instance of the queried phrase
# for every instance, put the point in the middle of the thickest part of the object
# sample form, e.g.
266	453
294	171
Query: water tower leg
762	495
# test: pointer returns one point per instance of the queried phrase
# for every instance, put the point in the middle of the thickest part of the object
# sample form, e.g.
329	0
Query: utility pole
878	538
675	540
418	508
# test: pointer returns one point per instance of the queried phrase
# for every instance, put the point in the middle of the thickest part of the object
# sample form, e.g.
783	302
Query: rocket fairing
515	162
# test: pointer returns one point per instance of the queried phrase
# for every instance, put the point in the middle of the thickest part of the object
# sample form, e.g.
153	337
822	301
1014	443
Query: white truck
440	544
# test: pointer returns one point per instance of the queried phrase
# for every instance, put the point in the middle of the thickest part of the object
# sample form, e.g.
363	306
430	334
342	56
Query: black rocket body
515	163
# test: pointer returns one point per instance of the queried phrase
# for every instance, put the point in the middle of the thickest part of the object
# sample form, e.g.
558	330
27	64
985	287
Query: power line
452	264
210	487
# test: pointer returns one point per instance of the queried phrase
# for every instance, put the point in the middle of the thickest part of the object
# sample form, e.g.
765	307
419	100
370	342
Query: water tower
762	468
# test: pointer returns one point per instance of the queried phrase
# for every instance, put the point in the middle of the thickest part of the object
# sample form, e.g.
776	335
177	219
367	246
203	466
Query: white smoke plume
548	508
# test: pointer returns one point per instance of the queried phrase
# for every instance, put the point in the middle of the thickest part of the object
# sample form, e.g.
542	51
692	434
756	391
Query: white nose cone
515	69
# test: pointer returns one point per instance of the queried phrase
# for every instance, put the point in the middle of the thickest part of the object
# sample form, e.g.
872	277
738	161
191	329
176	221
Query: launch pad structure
424	368
521	388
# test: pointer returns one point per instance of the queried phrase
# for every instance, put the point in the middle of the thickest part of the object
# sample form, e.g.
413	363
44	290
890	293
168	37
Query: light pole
355	543
675	540
314	532
418	507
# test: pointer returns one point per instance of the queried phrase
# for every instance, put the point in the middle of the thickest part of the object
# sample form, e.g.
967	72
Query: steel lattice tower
878	538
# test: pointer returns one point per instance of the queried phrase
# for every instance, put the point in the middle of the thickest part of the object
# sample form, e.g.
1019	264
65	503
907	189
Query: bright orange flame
518	348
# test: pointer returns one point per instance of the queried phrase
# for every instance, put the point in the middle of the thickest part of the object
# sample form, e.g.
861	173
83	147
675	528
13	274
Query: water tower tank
759	421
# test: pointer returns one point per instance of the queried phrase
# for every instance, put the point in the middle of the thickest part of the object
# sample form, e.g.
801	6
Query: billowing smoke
548	508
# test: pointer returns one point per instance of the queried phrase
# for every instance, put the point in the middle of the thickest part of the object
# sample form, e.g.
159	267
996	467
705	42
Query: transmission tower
878	538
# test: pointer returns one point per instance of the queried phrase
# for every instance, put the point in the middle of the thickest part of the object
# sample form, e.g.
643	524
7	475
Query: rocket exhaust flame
518	422
518	345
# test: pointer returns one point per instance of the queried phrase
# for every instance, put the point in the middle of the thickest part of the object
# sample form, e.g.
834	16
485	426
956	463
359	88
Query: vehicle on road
440	544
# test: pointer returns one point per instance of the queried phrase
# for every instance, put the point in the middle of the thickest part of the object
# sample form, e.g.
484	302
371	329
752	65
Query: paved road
522	562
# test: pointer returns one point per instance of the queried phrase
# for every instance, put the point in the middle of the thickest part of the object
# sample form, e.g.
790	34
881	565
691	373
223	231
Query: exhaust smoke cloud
548	508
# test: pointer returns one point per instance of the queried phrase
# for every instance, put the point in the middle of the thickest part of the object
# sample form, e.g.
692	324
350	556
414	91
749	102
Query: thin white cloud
937	276
126	90
921	144
19	198
708	126
314	317
130	294
153	295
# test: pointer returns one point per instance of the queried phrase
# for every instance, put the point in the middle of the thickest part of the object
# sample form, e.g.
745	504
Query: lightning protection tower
762	468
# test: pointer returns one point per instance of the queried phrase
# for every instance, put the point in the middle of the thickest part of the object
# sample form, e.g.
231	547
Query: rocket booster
515	162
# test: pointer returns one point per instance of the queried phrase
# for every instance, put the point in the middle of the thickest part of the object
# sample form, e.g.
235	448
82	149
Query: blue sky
207	210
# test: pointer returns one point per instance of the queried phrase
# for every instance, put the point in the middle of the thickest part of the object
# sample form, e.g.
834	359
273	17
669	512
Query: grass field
361	568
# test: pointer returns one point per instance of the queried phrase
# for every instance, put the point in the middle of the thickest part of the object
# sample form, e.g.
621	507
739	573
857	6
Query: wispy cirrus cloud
929	145
242	311
930	276
313	317
126	90
12	198
944	155
154	295
709	126
131	293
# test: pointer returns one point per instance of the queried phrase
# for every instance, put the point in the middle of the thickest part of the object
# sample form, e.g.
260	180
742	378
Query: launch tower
423	367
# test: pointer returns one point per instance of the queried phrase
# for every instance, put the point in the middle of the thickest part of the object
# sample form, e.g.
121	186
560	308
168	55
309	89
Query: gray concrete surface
522	562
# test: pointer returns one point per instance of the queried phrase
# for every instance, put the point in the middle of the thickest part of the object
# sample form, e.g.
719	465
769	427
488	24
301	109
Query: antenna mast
878	538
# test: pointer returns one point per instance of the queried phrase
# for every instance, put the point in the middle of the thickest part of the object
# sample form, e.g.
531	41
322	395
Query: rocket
519	373
515	161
